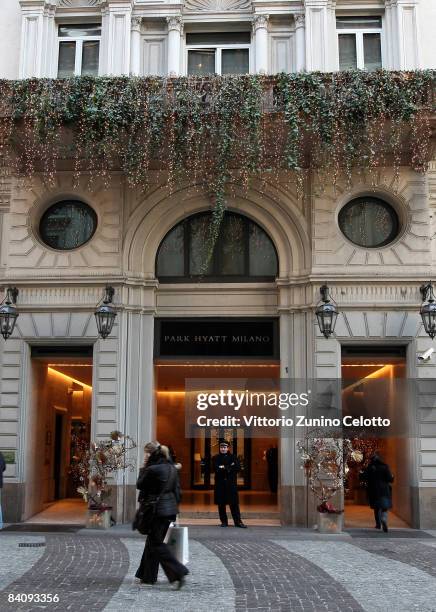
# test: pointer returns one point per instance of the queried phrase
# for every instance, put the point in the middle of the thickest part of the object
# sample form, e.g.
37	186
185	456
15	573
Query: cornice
157	9
216	6
345	5
33	4
281	7
79	3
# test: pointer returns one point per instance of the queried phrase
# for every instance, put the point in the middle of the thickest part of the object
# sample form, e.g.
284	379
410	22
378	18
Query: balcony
206	128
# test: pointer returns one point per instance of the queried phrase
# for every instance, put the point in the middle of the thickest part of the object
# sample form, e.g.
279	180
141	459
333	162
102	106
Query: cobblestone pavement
84	572
258	569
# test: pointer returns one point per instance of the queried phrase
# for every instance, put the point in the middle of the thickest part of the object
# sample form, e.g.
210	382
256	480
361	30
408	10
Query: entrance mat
43	528
392	533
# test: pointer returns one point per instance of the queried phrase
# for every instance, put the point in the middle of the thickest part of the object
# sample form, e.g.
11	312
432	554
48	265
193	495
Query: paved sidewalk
258	569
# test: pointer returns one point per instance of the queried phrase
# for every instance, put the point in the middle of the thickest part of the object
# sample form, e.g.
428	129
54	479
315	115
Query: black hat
222	441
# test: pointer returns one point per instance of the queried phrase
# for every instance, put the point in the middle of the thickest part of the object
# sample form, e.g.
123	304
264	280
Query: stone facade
377	290
140	37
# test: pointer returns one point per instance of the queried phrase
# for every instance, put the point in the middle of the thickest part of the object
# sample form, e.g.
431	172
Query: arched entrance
214	349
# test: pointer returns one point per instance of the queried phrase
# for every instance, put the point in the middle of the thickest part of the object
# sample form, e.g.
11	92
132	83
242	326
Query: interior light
69	378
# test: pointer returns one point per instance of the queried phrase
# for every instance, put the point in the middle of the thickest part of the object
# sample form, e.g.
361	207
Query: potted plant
92	467
325	461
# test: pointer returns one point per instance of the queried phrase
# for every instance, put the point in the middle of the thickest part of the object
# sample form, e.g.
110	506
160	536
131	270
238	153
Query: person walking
226	467
159	479
378	478
2	469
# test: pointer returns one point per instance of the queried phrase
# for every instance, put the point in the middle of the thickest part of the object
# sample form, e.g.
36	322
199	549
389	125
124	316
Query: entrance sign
216	338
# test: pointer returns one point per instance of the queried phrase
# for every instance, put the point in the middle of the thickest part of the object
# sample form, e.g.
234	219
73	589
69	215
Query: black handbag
147	510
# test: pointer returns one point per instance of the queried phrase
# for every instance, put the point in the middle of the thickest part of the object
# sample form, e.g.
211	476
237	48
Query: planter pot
98	519
330	522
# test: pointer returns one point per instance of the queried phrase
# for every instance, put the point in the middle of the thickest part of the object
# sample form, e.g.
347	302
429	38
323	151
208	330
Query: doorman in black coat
226	467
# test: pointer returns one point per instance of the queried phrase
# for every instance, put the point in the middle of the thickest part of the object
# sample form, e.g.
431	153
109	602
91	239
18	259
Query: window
218	53
243	251
67	225
369	222
359	42
79	49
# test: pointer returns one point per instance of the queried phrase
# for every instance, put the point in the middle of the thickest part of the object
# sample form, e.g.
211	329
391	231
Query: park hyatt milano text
204	339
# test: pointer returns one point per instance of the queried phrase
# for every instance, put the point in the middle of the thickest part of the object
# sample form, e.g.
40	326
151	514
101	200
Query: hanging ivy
203	130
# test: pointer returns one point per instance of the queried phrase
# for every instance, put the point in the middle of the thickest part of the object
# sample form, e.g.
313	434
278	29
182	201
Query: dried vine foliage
204	129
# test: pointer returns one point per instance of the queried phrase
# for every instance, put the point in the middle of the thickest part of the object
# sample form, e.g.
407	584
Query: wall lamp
326	312
428	309
8	312
105	314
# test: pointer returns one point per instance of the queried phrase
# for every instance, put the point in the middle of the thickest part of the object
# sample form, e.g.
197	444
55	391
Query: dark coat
378	478
226	486
2	469
151	482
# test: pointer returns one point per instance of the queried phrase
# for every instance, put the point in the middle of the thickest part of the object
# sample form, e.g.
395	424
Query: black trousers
380	516
234	509
155	552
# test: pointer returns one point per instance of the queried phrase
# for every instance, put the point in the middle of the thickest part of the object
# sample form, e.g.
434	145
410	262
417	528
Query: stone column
260	29
300	42
135	46
175	31
38	39
136	392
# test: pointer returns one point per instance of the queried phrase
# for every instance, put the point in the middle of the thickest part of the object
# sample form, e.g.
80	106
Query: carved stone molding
69	297
300	20
72	3
367	293
136	24
5	189
259	22
217	6
175	23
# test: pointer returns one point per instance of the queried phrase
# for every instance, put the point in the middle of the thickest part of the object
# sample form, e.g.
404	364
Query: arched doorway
216	348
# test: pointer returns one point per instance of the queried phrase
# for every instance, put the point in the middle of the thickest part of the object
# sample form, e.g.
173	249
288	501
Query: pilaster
175	31
320	35
260	30
38	34
300	41
116	30
402	35
135	46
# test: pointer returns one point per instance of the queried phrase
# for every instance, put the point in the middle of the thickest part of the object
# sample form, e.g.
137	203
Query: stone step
213	515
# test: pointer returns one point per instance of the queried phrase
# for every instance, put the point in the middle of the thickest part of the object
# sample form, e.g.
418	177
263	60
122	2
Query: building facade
60	381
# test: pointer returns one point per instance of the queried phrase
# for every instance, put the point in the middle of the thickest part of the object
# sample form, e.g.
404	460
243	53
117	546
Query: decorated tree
94	464
325	461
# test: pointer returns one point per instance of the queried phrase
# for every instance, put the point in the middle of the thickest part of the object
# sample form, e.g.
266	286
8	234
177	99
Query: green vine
205	131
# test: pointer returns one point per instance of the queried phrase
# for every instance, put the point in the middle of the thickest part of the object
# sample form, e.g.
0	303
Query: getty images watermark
237	401
282	408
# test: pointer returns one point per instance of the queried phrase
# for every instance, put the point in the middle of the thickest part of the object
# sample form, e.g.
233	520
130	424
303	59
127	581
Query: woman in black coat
378	479
159	478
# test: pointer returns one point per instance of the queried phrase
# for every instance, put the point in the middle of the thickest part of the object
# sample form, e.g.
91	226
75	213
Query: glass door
206	446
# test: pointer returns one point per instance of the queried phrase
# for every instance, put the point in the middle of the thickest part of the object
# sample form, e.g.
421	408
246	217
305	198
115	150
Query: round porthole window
67	225
369	222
